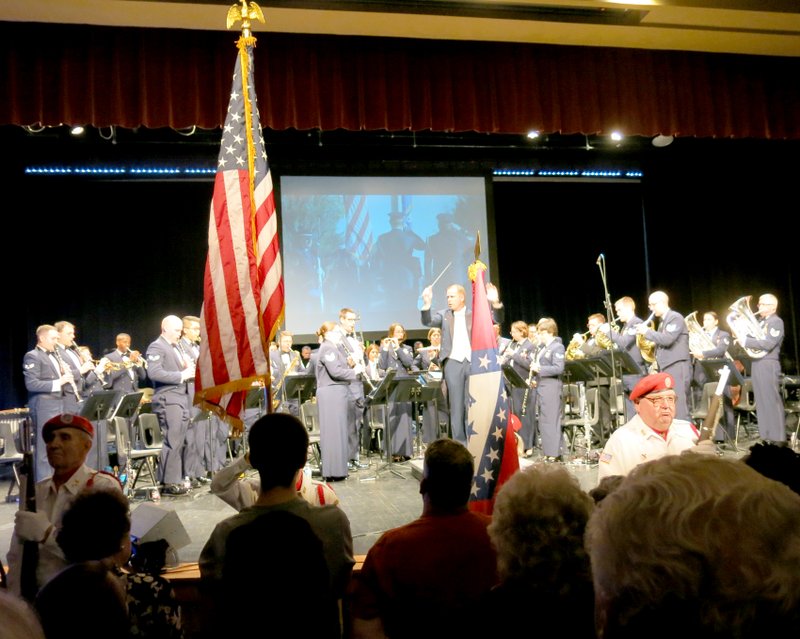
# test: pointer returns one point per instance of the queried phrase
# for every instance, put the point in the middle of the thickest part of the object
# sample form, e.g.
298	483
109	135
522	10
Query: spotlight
661	141
532	135
616	136
77	130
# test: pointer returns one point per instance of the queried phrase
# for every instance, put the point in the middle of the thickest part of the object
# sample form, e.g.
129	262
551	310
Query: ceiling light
77	130
661	141
532	135
616	136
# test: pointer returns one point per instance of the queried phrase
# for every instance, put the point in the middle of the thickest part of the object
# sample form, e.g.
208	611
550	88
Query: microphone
600	258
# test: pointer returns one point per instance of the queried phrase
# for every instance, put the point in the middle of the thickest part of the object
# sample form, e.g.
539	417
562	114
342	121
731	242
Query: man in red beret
653	432
68	440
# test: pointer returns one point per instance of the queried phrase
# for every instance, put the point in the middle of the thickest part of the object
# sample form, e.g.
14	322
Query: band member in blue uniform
334	376
671	338
354	348
128	372
399	356
765	371
625	340
171	373
47	382
455	355
521	355
549	366
283	362
434	412
721	341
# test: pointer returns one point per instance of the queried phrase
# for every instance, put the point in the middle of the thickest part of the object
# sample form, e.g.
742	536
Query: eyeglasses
668	400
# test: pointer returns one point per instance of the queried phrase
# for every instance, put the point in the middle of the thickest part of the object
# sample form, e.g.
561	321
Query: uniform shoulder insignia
153	357
672	327
605	458
29	366
774	332
560	355
330	357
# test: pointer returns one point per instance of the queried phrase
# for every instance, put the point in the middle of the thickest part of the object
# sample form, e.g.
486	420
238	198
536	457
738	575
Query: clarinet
64	368
30	549
527	388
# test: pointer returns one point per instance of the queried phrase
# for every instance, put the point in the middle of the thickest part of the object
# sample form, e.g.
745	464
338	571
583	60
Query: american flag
490	436
243	301
358	235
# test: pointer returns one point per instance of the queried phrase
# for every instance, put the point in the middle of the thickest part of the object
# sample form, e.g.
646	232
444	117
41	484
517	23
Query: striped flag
358	235
490	436
243	301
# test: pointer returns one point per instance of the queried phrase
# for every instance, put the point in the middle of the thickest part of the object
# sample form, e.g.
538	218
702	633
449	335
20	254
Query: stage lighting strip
110	170
568	173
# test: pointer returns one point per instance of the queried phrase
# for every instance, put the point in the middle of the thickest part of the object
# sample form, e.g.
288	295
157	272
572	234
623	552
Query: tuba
744	323
646	347
699	340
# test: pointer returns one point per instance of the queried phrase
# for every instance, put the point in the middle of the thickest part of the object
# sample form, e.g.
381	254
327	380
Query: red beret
652	384
67	421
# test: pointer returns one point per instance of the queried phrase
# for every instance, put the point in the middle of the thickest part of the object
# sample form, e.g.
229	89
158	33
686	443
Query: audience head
696	544
605	487
278	449
538	524
447	475
150	557
776	462
19	619
96	525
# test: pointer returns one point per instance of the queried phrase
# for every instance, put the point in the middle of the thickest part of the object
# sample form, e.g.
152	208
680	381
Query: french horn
646	347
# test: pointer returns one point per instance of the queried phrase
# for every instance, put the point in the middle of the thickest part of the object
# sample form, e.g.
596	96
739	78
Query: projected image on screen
373	243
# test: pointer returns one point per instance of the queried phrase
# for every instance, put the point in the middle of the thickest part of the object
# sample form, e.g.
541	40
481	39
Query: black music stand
256	398
128	409
577	370
427	392
712	368
378	396
513	378
96	408
302	385
621	363
403	389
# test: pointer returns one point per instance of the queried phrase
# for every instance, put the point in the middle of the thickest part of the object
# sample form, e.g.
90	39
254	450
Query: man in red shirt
432	572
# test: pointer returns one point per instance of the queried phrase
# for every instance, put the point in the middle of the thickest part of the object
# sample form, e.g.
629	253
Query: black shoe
174	489
549	459
203	480
331	479
355	465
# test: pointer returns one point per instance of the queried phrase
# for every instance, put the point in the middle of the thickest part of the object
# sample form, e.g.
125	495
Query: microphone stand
601	264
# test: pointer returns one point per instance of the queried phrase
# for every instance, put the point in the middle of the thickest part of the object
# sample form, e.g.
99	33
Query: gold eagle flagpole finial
244	11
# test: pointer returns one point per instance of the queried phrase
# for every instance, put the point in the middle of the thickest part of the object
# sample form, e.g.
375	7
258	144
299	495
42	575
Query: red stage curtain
70	74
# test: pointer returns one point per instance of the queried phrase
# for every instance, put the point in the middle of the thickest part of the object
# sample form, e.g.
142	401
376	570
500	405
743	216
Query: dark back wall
119	256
